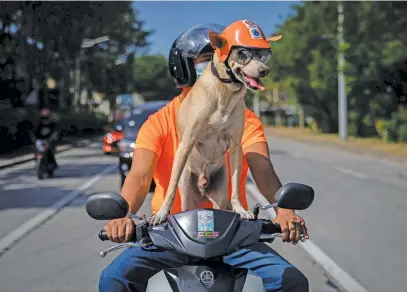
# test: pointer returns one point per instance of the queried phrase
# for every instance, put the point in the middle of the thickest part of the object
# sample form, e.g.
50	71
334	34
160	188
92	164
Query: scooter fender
204	279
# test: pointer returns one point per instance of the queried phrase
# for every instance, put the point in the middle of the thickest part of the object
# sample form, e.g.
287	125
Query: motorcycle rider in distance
153	158
47	130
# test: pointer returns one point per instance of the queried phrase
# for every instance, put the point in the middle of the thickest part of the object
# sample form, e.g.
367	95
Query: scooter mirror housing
106	206
295	196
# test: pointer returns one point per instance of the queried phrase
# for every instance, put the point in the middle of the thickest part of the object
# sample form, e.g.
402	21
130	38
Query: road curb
368	153
59	149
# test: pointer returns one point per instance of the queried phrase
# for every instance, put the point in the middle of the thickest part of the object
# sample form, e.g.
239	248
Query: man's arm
258	159
136	186
138	181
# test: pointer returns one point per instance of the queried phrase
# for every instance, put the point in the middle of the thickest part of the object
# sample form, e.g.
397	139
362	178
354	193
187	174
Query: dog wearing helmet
245	51
211	121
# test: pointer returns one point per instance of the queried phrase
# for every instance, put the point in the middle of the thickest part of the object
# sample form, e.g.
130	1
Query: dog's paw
244	213
158	219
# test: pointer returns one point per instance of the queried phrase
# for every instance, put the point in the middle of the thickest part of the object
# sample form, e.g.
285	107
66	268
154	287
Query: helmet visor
195	39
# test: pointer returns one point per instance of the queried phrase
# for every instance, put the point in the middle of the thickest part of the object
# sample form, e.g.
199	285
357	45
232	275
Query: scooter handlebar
103	235
269	227
139	232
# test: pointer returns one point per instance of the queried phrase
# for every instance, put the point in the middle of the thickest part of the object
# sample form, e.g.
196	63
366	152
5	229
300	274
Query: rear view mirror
106	206
295	196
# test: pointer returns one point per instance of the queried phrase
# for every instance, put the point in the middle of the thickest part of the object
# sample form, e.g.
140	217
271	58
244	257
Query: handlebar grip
139	231
103	235
270	228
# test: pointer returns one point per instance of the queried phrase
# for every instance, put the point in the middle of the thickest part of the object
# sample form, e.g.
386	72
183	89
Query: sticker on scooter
207	234
206	221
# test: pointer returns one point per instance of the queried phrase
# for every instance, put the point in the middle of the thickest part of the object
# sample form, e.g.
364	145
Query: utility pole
301	116
342	99
77	77
276	101
86	43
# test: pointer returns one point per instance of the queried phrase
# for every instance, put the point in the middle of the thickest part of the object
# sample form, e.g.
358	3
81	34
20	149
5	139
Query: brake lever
122	245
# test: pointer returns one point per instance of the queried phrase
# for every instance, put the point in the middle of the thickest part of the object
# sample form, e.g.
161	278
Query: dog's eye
244	55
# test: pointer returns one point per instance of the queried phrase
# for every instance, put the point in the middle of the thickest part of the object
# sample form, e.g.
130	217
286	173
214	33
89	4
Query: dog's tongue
255	83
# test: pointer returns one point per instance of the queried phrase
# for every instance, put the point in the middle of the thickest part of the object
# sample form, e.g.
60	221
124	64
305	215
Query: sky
170	19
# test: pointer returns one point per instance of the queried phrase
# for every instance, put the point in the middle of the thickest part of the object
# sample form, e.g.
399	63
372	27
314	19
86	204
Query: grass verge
372	145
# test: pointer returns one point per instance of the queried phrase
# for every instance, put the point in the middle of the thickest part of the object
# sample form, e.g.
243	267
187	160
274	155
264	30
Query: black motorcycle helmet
188	46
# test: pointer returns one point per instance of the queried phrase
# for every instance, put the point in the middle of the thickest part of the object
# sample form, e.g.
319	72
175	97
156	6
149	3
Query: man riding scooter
47	130
153	158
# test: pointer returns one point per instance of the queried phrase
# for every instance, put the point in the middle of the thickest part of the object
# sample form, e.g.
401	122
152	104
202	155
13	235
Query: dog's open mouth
251	82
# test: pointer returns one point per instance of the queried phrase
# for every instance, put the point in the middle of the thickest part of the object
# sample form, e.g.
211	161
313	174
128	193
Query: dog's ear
217	42
275	38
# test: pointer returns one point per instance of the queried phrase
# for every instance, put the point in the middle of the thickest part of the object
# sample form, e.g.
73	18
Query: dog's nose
264	72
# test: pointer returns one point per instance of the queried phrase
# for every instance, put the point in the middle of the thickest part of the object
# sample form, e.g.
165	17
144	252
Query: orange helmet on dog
243	33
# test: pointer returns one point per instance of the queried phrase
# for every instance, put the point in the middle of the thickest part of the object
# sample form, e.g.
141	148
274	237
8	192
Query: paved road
62	254
359	214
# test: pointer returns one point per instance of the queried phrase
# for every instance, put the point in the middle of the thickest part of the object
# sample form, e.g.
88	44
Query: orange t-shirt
159	135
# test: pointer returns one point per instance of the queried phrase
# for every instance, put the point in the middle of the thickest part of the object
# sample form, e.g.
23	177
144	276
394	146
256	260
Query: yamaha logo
207	277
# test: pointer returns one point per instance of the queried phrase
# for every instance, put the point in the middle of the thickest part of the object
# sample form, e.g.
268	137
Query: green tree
45	39
305	61
152	78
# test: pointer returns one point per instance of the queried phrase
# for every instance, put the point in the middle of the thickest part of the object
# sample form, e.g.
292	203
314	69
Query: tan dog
210	121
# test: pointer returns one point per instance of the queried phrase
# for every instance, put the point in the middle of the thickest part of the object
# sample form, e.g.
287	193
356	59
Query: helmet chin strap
232	78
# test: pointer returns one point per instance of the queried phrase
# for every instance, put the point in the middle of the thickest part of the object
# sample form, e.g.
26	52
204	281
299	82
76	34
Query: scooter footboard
201	278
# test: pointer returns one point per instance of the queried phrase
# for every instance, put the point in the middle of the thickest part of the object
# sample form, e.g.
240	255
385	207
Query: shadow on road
22	189
34	197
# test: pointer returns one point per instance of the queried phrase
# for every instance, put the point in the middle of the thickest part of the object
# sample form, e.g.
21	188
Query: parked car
111	138
132	125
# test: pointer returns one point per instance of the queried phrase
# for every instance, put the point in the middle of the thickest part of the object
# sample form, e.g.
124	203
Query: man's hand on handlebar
292	226
120	230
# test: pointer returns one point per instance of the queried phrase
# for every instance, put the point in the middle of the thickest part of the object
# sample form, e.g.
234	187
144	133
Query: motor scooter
42	156
204	235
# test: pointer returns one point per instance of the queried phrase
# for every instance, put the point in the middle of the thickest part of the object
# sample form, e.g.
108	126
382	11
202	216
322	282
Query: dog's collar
232	78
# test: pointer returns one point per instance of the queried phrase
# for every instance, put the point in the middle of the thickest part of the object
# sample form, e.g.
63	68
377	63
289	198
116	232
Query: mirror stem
257	207
134	216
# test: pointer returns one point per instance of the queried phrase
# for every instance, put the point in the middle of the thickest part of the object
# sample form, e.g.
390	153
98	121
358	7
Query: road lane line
8	240
342	278
351	172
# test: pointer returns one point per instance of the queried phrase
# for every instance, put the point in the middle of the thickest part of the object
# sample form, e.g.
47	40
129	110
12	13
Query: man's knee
109	281
294	281
119	273
105	276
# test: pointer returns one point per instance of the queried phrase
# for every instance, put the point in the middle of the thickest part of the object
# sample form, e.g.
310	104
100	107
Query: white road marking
336	272
21	186
8	240
351	172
